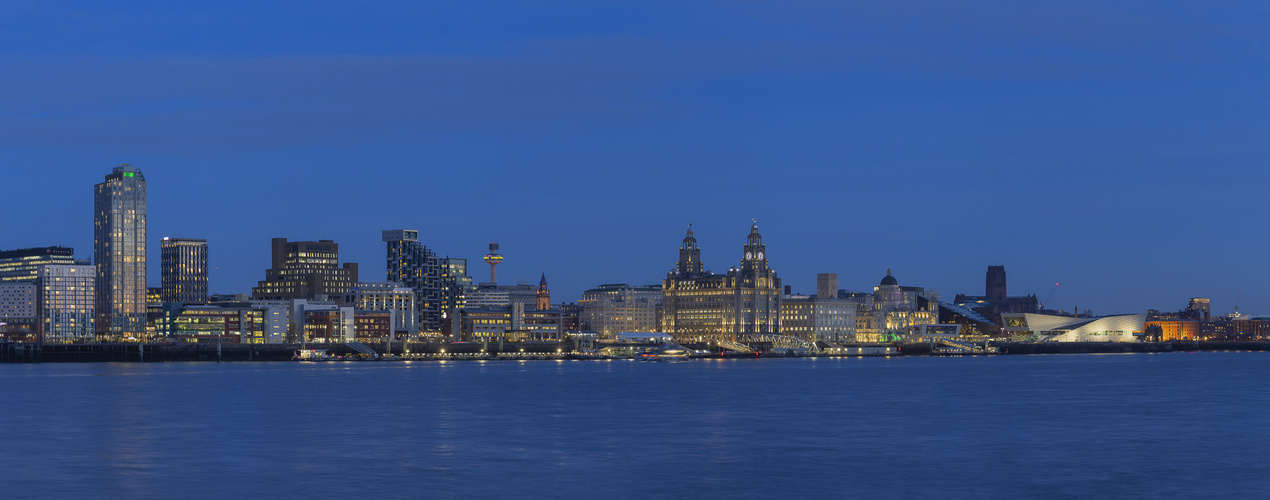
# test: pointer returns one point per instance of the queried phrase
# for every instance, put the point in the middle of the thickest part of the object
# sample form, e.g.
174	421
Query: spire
544	294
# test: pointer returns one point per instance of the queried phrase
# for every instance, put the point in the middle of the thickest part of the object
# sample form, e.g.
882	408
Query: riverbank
133	353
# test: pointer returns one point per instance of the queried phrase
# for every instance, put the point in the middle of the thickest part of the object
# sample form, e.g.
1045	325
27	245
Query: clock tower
755	261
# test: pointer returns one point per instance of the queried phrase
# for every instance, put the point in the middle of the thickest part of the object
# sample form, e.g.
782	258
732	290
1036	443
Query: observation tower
493	258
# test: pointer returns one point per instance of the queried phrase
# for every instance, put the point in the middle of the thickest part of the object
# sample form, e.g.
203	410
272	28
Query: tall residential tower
119	249
184	270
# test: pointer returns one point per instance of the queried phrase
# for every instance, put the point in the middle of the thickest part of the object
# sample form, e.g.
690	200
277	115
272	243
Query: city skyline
1125	163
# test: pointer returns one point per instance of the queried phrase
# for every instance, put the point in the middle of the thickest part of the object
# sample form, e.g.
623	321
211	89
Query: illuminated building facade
305	270
66	302
512	323
613	308
1199	309
183	276
23	265
818	319
390	297
1048	328
698	305
207	323
419	269
543	297
455	285
898	310
119	251
1178	329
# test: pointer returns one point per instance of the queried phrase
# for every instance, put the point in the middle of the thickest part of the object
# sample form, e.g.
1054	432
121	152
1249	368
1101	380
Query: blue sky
1117	147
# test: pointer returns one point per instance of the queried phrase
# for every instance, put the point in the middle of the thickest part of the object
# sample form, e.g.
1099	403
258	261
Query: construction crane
1051	295
213	276
1237	299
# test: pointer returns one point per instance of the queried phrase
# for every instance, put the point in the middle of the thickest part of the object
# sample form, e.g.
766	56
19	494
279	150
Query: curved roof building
1047	328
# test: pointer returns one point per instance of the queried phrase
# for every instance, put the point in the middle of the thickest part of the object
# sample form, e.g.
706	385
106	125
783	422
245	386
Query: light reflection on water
1058	426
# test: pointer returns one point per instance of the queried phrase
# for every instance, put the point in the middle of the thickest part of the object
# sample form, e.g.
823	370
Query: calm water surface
1059	426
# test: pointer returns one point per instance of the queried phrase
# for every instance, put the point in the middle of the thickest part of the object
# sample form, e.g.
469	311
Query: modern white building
1047	328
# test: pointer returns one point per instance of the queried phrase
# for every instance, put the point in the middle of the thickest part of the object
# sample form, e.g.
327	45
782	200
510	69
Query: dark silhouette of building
995	299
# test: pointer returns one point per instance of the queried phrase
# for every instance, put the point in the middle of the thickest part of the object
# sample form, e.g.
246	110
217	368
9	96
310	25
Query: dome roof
889	280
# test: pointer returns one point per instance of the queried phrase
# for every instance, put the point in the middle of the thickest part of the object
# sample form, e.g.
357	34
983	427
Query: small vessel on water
664	352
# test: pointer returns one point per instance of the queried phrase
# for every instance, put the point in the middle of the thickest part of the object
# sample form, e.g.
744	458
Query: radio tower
493	259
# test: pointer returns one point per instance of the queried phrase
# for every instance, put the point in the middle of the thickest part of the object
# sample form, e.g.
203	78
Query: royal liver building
699	305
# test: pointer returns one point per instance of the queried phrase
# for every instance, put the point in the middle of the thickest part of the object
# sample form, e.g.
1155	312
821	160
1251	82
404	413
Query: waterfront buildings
823	317
896	310
18	311
66	302
455	285
818	319
235	324
119	251
510	323
1174	329
394	298
305	270
415	266
1049	328
524	314
699	305
23	265
613	308
183	276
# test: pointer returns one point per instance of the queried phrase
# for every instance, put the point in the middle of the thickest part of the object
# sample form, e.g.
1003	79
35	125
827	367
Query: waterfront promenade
440	351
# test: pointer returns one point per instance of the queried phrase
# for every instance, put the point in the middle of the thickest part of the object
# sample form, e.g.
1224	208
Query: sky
1118	148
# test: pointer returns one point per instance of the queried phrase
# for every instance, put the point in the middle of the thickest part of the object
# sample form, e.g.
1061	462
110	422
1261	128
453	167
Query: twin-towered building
700	306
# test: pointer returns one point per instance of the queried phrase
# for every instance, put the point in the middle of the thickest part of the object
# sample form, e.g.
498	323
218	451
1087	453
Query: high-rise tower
493	259
183	275
418	268
544	294
119	249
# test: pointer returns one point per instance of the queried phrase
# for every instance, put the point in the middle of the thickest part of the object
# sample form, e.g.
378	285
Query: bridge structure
734	346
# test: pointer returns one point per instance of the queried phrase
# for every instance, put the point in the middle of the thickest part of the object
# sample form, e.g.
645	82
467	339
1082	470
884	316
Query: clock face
748	255
760	255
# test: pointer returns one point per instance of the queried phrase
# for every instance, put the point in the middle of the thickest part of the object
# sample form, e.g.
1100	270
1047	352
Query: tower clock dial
748	255
760	255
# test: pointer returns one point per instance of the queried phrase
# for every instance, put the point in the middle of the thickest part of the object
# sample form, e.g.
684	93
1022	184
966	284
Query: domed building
896	310
700	306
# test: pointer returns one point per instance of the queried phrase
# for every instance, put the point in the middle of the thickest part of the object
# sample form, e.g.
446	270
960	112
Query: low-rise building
1049	328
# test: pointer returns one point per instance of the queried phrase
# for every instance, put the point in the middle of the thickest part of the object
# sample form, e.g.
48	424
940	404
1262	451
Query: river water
1056	426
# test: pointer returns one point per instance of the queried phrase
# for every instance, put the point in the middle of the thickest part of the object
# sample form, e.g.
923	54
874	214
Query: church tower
544	295
689	256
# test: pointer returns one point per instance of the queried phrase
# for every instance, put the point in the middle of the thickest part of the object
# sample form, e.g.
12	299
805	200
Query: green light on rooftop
129	174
